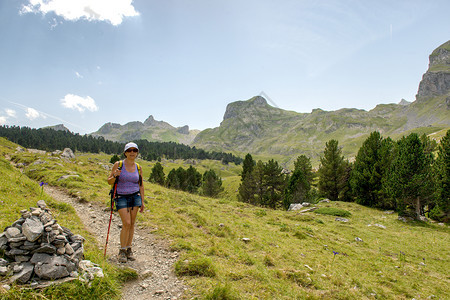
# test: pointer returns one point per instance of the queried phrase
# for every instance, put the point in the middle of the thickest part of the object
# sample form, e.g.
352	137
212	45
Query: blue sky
87	62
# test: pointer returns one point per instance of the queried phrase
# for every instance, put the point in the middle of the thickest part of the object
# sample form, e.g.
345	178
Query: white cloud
32	114
79	103
10	113
113	11
2	120
78	75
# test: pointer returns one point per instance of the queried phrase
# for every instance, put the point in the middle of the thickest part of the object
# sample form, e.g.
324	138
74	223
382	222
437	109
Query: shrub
333	211
200	266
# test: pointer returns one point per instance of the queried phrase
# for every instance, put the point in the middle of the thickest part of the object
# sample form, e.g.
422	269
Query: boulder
12	232
32	228
295	206
54	268
24	275
68	153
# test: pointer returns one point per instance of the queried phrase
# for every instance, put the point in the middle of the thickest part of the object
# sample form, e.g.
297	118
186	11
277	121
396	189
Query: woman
129	196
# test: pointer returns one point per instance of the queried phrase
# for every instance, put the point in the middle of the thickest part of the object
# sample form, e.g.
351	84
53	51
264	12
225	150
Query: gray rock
48	237
77	238
358	239
325	201
341	220
61	251
45	248
29	246
295	206
306	204
378	225
46	218
32	229
77	255
15	251
22	258
3	262
68	153
18	222
17	268
3	271
24	275
76	246
39	257
54	268
41	204
12	232
3	242
67	176
69	249
17	239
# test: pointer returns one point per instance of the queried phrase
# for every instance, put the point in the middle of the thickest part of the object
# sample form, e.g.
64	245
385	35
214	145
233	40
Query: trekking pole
113	195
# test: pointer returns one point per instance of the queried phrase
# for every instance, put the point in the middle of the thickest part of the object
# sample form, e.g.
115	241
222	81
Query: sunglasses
132	150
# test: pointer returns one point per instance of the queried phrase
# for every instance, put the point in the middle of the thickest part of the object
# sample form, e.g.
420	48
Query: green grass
332	211
289	255
18	192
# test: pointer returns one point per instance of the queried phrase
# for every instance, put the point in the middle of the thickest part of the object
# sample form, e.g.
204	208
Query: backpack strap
139	171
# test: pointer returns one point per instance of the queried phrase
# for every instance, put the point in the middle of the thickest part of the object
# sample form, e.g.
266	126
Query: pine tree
299	184
212	184
157	175
247	188
193	179
274	184
172	181
441	209
260	188
332	171
367	173
410	178
247	166
114	158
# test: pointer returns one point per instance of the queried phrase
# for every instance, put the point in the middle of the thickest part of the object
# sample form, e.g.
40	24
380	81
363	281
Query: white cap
130	145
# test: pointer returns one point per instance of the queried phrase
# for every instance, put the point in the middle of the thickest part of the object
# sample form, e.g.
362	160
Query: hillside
256	127
253	126
151	130
285	255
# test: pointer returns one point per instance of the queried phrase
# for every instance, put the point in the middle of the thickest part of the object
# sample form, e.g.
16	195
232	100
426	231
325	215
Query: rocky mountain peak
248	107
151	122
404	102
59	127
436	81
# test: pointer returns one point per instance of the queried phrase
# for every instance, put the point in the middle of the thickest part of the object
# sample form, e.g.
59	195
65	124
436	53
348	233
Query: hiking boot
130	254
122	256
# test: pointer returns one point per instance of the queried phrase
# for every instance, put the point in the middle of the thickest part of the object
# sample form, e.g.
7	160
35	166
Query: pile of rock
38	248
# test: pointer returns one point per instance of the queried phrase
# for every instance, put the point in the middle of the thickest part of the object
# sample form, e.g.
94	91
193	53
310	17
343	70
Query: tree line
50	140
410	176
188	180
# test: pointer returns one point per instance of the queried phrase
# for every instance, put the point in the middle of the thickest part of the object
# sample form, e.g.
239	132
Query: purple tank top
128	182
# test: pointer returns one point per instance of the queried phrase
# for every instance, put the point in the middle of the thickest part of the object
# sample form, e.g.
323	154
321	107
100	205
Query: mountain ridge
254	126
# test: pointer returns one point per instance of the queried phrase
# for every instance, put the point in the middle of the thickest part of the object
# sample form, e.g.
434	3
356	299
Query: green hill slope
256	127
231	250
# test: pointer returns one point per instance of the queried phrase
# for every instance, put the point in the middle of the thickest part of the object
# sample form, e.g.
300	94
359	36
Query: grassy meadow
231	250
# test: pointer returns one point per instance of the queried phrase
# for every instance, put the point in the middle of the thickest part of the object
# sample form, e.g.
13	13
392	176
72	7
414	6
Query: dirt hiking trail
154	261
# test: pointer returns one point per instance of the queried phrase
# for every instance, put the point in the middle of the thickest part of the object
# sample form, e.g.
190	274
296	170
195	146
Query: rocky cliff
436	81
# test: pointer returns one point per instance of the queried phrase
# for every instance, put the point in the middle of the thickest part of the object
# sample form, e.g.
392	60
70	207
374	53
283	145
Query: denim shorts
124	201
